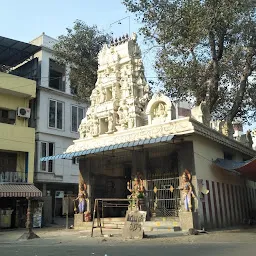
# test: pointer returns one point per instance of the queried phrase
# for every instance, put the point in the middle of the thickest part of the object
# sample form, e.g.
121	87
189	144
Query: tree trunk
241	90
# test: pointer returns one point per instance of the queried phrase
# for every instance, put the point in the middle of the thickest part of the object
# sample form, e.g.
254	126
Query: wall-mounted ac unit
24	112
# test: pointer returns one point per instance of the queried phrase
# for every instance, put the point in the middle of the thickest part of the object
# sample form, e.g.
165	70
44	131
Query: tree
206	51
78	50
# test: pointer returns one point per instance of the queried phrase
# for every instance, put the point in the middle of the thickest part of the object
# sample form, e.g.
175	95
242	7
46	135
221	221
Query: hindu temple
130	137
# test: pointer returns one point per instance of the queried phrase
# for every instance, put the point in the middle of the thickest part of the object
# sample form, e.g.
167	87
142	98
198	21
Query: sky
27	19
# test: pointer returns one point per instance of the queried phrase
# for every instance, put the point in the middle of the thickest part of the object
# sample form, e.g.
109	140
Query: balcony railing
13	177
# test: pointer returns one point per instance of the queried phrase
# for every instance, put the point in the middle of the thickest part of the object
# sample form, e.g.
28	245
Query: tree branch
221	44
212	45
243	84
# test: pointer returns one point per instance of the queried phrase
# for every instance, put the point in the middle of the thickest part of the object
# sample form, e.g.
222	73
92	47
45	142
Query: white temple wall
230	199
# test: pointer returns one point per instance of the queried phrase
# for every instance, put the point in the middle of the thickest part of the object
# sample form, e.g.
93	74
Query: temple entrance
163	200
108	175
163	182
108	178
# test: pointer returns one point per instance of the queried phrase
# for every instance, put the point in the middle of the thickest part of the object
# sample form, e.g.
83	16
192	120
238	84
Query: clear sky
24	20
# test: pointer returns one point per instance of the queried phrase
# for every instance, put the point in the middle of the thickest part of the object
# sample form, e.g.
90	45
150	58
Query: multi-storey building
17	139
56	118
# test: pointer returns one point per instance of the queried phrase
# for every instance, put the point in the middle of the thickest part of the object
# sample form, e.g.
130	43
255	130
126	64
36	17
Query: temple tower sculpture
121	92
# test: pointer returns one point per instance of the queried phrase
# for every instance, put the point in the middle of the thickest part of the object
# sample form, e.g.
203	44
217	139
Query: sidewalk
58	234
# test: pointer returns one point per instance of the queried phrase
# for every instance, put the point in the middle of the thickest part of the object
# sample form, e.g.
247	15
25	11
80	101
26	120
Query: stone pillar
134	163
145	159
44	190
84	169
188	220
186	161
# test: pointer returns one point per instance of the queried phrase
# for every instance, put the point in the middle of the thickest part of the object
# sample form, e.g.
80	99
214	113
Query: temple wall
230	198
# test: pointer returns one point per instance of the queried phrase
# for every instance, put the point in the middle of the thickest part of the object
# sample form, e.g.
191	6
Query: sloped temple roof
247	168
110	147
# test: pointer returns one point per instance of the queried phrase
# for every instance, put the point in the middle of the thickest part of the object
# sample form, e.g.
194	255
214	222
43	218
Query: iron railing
13	177
164	197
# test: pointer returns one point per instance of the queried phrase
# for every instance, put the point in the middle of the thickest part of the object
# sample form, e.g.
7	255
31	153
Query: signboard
133	226
59	194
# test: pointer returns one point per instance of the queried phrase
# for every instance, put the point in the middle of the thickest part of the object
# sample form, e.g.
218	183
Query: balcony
17	86
17	138
13	177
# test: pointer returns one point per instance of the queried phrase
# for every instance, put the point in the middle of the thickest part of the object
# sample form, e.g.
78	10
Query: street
70	242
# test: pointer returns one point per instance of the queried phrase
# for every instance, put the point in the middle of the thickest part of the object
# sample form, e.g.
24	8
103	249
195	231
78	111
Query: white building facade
57	116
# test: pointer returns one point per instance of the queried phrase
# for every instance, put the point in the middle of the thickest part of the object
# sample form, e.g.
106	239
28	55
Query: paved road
74	244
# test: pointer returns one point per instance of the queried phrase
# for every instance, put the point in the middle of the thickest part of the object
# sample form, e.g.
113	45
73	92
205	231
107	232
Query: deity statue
95	131
137	190
131	123
125	89
82	196
249	138
93	97
110	122
160	110
82	130
224	129
187	192
102	95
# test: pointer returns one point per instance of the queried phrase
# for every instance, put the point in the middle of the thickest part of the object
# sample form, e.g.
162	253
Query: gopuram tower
121	92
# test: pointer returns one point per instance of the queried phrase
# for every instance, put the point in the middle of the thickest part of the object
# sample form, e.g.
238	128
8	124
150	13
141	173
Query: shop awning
19	190
110	147
246	168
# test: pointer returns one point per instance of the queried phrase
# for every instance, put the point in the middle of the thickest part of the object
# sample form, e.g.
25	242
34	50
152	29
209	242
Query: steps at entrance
113	223
109	223
168	223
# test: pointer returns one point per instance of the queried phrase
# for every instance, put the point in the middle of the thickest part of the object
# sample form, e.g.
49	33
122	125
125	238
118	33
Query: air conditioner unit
24	112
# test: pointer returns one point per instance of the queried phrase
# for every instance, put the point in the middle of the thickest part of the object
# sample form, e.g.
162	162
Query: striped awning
110	147
19	190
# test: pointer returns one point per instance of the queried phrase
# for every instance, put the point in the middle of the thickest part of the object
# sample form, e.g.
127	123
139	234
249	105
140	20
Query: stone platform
168	223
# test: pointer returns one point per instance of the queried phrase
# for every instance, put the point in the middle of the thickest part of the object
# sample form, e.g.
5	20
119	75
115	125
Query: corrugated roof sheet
109	147
14	52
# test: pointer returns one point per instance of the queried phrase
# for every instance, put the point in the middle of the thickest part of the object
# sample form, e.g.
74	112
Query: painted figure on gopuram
137	189
187	191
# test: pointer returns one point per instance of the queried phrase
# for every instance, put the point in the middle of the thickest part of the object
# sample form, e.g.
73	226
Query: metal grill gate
160	197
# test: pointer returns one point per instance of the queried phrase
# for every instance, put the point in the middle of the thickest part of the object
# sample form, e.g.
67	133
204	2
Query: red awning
19	190
247	168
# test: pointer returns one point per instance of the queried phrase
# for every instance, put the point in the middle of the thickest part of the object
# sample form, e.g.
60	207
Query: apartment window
56	114
47	149
56	76
7	116
77	115
75	160
8	162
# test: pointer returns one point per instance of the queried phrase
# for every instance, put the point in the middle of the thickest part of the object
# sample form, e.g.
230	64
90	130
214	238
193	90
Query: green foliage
78	50
207	50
